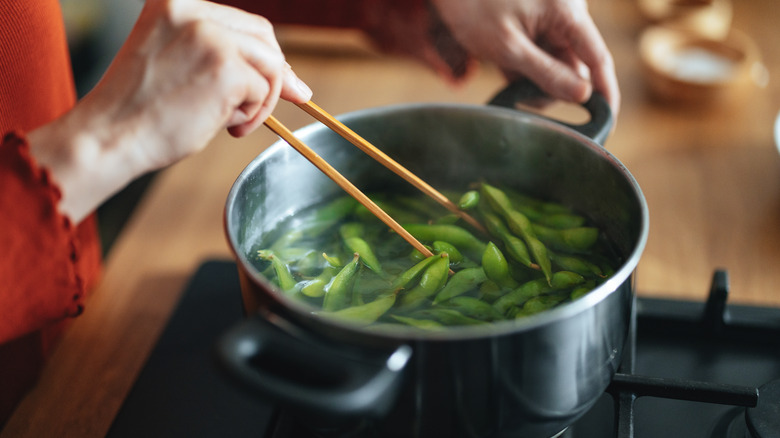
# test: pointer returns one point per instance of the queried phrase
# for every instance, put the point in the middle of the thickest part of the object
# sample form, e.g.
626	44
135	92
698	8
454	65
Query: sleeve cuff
48	258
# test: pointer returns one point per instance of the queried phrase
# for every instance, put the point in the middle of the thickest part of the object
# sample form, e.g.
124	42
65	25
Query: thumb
293	88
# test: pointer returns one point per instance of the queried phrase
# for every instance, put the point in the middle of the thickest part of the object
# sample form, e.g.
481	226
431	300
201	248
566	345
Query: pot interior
448	146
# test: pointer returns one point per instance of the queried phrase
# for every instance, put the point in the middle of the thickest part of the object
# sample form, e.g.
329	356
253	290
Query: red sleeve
48	263
402	27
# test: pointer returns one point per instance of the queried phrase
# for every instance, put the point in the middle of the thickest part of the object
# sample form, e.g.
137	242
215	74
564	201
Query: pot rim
455	333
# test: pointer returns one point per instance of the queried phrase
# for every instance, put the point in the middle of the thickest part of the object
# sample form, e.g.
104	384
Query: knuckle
207	52
263	24
509	47
200	37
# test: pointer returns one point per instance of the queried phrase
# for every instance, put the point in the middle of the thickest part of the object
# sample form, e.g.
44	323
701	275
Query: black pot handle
597	128
309	374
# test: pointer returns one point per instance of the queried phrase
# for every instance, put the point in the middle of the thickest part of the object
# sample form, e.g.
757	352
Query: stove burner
731	425
761	421
680	355
764	420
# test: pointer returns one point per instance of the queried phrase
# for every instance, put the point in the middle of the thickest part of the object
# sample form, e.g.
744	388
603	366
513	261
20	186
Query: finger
234	19
293	88
246	115
589	46
268	63
237	20
246	128
280	79
255	108
255	33
568	57
555	77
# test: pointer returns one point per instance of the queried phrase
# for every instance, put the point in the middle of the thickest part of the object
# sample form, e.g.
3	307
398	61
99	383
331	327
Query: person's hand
554	43
189	69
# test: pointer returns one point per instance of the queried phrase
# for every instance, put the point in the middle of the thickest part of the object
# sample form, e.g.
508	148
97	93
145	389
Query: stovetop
694	370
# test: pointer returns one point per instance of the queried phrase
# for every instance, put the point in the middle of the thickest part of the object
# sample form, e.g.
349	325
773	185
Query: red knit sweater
48	264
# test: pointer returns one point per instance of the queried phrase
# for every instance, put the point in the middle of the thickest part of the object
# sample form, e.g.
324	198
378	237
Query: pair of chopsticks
318	113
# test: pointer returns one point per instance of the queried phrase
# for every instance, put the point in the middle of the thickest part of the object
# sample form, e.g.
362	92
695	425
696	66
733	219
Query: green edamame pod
337	209
417	256
399	214
309	264
339	294
426	324
330	214
433	279
357	294
352	234
607	269
449	219
539	304
518	297
512	312
522	200
409	276
367	287
604	263
520	225
423	206
578	239
565	280
515	247
442	247
521	273
315	287
352	229
286	240
580	291
463	281
360	246
576	264
455	235
333	260
284	277
489	291
291	255
369	312
560	220
469	200
446	316
496	267
474	308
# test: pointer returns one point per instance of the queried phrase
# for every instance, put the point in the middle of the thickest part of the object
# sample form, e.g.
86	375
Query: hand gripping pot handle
318	377
597	128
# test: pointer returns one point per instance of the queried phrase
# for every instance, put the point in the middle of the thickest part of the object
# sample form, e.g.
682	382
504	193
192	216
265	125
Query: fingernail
303	87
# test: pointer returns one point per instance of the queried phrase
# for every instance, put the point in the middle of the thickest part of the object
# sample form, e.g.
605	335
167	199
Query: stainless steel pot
532	377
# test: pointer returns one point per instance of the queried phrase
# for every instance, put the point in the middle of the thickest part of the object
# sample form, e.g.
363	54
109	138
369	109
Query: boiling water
311	247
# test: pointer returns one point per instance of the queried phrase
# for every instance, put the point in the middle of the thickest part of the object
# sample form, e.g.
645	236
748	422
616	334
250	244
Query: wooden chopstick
287	135
331	122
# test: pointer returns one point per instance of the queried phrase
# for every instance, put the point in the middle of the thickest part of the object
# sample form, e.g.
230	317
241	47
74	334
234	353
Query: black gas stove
692	369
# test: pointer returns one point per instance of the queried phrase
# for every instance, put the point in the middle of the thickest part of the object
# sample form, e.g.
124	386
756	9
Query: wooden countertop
711	177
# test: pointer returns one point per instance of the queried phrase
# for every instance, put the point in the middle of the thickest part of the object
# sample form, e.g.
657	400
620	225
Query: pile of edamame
342	260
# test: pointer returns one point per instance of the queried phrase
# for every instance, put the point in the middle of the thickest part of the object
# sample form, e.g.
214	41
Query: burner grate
679	354
714	321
